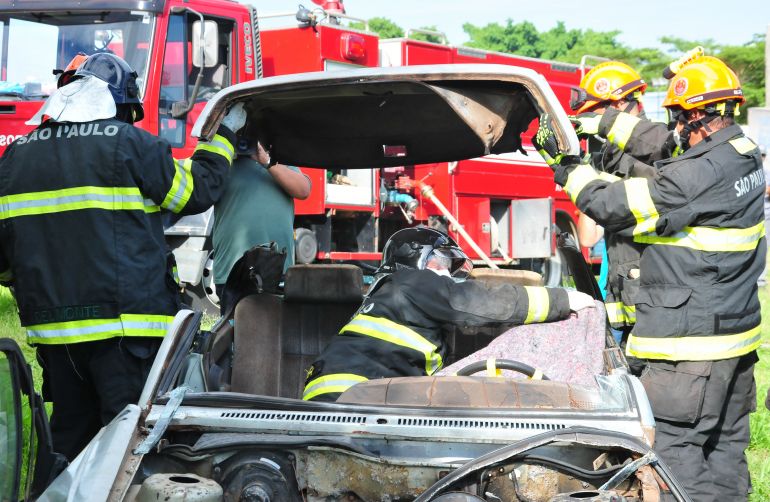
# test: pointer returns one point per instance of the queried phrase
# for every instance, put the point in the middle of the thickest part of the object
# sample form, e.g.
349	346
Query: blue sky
641	23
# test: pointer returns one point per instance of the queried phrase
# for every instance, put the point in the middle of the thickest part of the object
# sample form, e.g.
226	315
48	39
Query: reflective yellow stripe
99	329
6	275
537	375
389	331
695	348
710	239
538	304
577	180
72	199
641	205
218	145
337	382
742	145
181	187
611	178
620	313
621	129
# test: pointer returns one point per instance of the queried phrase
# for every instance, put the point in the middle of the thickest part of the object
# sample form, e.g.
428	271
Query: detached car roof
382	117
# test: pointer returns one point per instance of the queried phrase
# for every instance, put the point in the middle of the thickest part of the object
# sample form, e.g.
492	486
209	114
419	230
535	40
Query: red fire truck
503	209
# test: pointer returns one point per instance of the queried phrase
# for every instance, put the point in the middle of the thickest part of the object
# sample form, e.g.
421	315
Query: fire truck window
179	75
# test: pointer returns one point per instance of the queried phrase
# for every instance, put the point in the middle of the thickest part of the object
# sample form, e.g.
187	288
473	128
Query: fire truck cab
503	209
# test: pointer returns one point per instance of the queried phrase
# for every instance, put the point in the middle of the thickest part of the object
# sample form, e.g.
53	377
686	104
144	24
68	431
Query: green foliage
570	45
425	37
382	26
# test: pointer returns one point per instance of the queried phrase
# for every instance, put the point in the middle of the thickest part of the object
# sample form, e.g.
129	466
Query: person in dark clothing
81	240
698	312
610	113
397	331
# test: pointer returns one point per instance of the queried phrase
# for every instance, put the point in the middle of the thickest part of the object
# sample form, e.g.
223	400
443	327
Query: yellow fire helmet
608	81
703	81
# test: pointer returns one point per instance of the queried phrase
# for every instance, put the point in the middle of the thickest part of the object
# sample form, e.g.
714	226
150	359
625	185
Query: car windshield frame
26	69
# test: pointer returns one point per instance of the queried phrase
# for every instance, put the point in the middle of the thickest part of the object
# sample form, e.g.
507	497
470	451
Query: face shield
451	259
82	100
578	97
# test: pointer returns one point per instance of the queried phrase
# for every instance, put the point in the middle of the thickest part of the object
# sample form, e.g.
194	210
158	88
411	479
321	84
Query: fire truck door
189	236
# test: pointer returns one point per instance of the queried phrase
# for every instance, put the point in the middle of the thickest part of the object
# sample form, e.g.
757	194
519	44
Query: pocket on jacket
630	292
663	307
676	389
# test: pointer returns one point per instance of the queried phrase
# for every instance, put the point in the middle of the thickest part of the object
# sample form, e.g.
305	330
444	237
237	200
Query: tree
426	37
382	26
570	45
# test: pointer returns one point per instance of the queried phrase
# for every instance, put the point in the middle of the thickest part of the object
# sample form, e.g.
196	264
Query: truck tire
305	246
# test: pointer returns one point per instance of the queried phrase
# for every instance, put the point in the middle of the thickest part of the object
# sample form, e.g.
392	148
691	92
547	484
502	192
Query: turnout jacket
81	237
702	220
633	144
398	330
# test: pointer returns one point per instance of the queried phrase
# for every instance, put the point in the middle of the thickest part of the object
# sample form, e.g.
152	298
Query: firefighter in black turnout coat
397	331
81	240
697	310
609	107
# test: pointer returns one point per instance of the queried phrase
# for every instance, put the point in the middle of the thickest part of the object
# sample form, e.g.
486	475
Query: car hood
381	117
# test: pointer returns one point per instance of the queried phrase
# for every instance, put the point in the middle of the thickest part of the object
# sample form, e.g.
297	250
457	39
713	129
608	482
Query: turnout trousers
89	383
702	414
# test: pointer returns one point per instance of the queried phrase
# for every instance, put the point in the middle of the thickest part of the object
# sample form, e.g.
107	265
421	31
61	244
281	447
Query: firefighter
609	108
81	240
397	331
697	310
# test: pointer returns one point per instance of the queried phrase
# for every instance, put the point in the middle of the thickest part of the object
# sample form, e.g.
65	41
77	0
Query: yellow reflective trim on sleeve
611	178
181	187
577	180
537	375
695	348
641	205
728	240
90	330
6	275
742	145
392	332
328	384
621	129
537	304
71	199
619	313
218	145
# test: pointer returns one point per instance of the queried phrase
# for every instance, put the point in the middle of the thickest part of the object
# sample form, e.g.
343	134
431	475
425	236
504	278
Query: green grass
758	452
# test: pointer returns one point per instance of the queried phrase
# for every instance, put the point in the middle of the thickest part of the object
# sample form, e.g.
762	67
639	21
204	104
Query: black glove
545	142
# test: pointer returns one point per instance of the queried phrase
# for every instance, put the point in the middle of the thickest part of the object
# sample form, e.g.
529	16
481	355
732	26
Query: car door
27	460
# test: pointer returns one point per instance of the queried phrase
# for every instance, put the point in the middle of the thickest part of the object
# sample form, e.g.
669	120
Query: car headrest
323	284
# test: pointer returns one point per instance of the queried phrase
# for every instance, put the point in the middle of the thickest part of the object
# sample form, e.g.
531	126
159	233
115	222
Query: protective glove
579	301
545	142
235	118
586	124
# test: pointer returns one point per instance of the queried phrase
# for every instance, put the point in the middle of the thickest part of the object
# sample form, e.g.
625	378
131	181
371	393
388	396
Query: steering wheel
502	364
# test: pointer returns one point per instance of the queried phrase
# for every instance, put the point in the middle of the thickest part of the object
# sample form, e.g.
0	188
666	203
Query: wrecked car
221	415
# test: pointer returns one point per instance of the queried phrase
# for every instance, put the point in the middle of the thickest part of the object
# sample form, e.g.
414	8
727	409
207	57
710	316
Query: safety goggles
458	264
578	97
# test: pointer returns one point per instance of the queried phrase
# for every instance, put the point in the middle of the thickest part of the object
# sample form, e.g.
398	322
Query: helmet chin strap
691	127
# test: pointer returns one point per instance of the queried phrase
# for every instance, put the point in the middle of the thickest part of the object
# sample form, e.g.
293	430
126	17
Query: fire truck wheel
305	245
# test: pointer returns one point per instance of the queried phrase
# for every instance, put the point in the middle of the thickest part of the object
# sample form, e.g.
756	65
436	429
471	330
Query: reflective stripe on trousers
694	348
398	334
328	384
99	329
